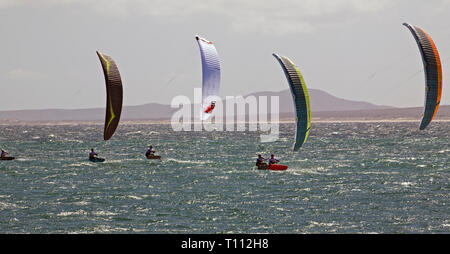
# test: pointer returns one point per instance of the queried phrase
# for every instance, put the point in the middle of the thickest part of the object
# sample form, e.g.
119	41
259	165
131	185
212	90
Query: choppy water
348	178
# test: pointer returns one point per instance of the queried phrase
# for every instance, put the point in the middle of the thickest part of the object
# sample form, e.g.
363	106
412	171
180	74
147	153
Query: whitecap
65	214
189	162
133	132
104	213
24	159
81	203
406	184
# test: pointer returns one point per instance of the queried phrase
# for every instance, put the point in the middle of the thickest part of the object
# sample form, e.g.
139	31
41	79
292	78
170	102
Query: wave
202	162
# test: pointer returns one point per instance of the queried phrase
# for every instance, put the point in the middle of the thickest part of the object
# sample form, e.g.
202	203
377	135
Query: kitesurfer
272	160
92	154
210	107
3	155
260	161
150	151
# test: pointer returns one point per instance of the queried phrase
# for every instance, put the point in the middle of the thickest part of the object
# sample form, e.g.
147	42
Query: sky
356	50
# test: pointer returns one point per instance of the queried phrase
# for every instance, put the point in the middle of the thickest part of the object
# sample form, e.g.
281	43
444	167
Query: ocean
349	177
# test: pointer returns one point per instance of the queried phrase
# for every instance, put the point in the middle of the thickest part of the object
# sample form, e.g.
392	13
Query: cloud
21	74
272	16
289	16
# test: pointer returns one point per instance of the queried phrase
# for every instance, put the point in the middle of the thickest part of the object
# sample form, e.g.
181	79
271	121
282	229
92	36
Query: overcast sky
352	49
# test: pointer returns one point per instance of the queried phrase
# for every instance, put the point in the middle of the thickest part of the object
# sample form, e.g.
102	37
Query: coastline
166	122
96	117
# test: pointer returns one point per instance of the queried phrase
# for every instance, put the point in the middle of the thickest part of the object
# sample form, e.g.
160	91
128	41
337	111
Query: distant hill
323	106
151	111
320	101
414	113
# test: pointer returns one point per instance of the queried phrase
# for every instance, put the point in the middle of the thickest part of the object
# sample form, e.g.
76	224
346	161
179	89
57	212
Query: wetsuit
260	161
273	161
210	108
150	152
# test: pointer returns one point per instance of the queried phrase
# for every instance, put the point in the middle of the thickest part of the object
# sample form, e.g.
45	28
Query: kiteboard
278	167
273	167
7	158
263	166
153	157
96	159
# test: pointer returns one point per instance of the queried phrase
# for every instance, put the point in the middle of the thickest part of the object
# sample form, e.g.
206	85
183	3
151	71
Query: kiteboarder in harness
150	154
210	108
272	160
92	154
260	162
3	155
150	151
